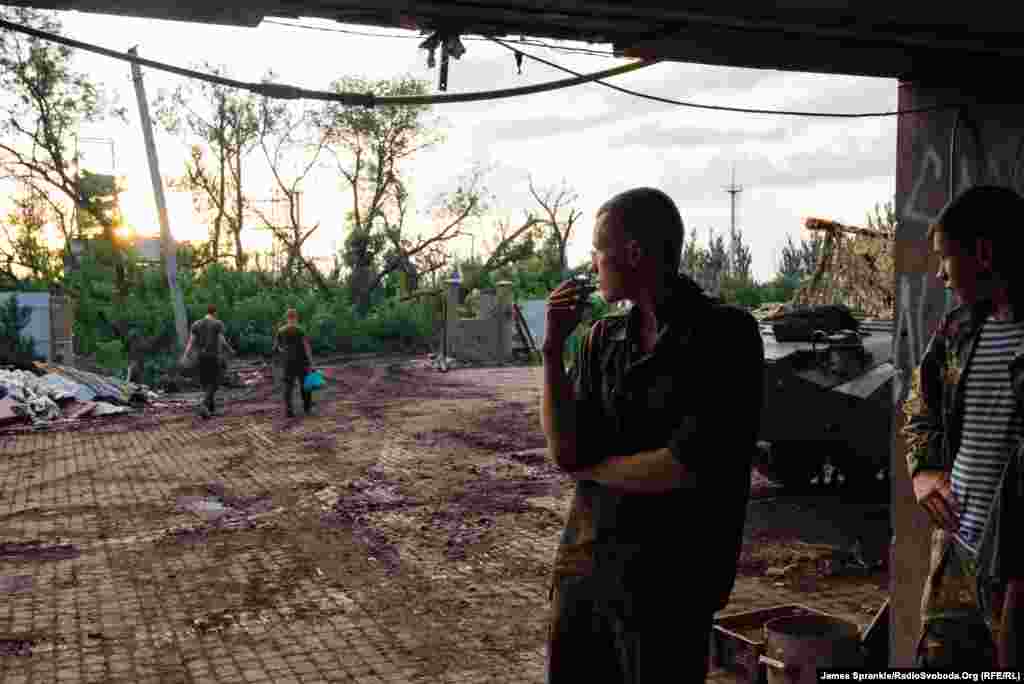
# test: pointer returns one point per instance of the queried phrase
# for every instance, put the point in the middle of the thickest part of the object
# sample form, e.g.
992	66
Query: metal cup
586	287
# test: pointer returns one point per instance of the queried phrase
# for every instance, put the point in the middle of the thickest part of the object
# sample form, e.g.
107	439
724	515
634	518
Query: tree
800	261
556	202
740	258
692	260
708	266
43	104
510	246
370	146
26	248
227	122
289	133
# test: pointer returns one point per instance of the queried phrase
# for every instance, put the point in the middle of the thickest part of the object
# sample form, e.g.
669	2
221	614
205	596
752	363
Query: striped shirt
993	425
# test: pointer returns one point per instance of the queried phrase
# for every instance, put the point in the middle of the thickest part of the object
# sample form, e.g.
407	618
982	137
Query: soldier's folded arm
728	416
922	409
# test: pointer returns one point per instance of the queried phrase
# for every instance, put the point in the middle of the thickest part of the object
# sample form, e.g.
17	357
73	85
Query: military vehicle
828	401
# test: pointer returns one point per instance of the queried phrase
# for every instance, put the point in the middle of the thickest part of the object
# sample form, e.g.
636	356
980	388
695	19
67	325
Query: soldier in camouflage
964	434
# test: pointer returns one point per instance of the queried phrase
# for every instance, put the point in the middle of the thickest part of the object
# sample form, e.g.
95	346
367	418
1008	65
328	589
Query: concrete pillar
488	304
504	319
989	138
450	332
454	297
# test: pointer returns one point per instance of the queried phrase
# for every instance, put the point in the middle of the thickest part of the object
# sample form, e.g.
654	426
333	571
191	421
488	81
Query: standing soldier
298	360
657	422
965	439
208	336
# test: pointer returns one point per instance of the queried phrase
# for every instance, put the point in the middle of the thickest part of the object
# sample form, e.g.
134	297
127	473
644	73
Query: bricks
159	594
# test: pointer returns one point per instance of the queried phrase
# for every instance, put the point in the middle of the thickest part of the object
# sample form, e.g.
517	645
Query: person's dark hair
212	309
650	217
988	212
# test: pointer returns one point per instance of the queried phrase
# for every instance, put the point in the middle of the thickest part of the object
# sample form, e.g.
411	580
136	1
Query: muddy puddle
15	584
470	513
362	497
37	551
15	647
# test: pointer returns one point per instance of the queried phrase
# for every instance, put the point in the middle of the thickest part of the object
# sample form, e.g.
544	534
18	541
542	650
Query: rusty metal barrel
797	646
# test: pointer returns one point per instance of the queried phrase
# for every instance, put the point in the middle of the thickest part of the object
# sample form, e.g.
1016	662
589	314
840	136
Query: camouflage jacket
935	405
934	411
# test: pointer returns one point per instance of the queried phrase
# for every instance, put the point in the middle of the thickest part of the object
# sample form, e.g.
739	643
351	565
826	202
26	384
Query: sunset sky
600	141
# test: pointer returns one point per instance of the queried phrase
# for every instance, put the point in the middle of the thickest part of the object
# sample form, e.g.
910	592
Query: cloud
660	134
593	107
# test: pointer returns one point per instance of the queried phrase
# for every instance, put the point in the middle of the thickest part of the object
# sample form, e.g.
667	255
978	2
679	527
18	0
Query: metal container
796	647
737	640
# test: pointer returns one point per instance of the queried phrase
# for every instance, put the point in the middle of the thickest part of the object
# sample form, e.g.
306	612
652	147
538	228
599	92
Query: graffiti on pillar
931	170
988	151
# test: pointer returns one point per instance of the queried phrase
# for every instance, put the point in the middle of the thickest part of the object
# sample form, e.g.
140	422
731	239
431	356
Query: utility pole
167	243
733	190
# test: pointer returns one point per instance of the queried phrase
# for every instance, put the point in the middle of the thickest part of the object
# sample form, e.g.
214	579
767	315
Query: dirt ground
414	511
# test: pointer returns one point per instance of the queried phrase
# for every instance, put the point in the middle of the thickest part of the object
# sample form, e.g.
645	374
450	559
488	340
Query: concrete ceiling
878	39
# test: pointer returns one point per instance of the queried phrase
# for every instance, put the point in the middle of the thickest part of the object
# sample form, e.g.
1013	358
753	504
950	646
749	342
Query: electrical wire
282	91
743	110
530	43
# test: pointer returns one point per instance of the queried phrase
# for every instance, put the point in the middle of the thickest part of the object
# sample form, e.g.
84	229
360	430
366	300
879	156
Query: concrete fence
50	325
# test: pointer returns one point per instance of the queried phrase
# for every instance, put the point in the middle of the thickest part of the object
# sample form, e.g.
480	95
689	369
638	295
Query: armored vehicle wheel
795	464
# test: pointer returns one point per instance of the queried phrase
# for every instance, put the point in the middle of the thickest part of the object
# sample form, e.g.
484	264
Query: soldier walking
293	343
208	337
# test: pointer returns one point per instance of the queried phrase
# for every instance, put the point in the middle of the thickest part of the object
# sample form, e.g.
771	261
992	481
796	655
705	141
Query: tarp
31	400
104	388
60	388
36	398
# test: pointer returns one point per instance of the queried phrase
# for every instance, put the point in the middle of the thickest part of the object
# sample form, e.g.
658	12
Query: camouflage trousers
955	632
600	633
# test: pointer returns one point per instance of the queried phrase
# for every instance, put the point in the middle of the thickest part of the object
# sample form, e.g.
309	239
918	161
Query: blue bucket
313	381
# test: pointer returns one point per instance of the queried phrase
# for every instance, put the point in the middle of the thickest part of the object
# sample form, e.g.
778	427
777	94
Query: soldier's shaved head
651	218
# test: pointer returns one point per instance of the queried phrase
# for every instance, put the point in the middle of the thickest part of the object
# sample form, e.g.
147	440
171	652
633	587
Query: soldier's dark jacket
699	393
934	411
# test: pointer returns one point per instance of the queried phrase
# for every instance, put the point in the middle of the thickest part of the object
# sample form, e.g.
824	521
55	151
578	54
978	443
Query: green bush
13	319
156	366
400	324
110	356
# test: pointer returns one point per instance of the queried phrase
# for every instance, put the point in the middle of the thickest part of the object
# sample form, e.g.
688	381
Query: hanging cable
721	108
288	92
282	91
367	34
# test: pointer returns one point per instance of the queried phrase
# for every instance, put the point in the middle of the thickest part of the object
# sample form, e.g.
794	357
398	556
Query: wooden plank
524	329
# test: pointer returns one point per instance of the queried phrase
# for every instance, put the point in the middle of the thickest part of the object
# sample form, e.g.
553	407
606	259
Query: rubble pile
433	361
55	391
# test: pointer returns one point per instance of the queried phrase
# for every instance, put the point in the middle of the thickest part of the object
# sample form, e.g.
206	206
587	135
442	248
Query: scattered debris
64	392
849	562
439	362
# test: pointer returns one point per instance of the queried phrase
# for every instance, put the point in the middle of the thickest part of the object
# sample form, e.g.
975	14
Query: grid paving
251	548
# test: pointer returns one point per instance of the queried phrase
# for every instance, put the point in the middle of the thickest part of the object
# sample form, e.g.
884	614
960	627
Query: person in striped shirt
964	434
